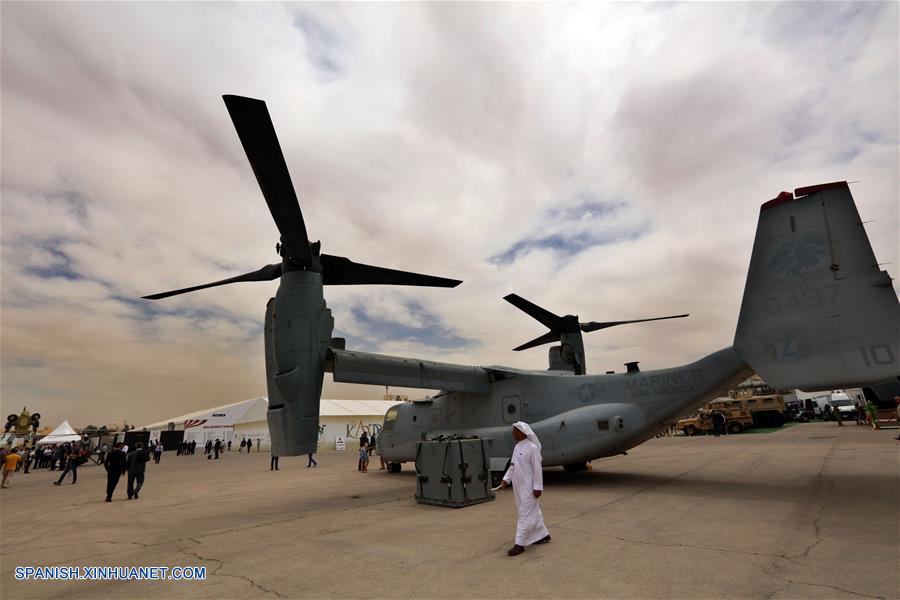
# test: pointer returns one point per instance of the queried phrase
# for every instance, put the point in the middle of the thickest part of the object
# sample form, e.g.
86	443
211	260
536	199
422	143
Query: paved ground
807	512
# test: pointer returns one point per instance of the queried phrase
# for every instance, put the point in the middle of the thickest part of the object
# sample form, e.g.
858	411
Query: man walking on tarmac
115	467
526	476
136	465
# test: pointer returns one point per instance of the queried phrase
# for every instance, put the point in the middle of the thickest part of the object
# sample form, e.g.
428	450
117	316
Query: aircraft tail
817	312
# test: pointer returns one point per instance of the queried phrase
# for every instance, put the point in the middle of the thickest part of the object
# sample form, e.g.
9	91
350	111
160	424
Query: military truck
766	405
766	410
736	419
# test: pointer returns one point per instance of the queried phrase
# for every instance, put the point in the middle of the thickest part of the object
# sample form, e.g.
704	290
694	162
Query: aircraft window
414	417
511	409
391	415
603	425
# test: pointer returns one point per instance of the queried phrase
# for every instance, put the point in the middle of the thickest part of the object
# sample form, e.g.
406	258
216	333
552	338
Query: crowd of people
185	448
120	461
67	457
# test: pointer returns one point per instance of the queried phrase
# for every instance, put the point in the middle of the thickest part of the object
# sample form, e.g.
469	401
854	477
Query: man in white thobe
527	481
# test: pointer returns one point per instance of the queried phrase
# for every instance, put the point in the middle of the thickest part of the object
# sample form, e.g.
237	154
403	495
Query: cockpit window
391	417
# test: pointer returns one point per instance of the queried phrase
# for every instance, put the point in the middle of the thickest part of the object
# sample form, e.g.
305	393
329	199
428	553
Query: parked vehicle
842	402
736	419
767	406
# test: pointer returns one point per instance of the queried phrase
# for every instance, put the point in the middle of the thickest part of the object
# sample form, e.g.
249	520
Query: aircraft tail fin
818	312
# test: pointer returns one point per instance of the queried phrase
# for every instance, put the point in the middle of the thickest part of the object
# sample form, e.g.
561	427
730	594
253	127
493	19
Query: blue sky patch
61	268
573	217
378	331
148	311
321	43
76	204
588	208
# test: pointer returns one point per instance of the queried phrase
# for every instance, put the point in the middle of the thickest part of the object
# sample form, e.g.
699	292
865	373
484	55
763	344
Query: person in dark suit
115	467
136	463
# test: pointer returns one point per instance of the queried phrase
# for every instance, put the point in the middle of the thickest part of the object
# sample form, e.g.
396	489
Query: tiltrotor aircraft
817	313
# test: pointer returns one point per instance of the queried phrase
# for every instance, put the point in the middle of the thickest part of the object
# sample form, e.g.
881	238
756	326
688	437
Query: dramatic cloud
606	160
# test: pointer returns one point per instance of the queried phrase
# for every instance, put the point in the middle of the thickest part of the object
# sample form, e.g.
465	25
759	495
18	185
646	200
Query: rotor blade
550	336
254	127
267	273
546	317
339	270
594	326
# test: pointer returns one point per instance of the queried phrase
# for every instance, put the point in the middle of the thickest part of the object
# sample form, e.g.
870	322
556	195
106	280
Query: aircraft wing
377	369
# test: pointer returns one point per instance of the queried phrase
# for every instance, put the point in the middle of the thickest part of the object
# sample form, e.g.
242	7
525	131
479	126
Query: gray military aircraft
817	313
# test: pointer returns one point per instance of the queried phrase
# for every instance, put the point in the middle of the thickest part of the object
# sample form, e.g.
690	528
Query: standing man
363	443
157	452
249	445
229	445
274	462
217	447
243	445
71	465
136	465
527	479
115	467
9	465
719	422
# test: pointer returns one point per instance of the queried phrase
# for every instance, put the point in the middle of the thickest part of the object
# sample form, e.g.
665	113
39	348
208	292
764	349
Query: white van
841	401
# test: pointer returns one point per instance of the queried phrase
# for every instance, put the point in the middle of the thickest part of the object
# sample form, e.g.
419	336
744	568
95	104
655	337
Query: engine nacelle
297	338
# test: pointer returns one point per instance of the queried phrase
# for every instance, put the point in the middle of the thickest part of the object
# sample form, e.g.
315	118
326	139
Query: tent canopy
62	434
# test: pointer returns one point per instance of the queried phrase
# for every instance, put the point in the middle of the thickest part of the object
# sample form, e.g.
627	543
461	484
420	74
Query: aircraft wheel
394	467
690	430
735	427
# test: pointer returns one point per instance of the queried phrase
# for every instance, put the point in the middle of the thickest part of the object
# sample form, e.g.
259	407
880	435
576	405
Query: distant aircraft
817	313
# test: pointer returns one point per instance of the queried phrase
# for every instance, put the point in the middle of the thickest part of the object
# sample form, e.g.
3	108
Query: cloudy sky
605	160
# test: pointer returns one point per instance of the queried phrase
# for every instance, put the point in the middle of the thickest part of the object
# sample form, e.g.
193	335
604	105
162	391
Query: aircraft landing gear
575	467
496	478
394	467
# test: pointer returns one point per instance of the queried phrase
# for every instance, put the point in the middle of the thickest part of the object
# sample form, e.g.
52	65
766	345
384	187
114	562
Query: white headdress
529	433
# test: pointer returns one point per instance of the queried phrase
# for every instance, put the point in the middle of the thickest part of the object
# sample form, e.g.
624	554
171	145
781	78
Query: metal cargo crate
453	472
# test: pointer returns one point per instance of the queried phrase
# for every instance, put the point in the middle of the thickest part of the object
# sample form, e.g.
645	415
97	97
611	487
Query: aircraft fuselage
577	417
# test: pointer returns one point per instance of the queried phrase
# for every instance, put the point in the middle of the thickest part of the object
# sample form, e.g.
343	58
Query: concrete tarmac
810	511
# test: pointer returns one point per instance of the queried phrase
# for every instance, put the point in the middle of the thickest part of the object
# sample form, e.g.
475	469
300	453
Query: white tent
247	419
62	434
